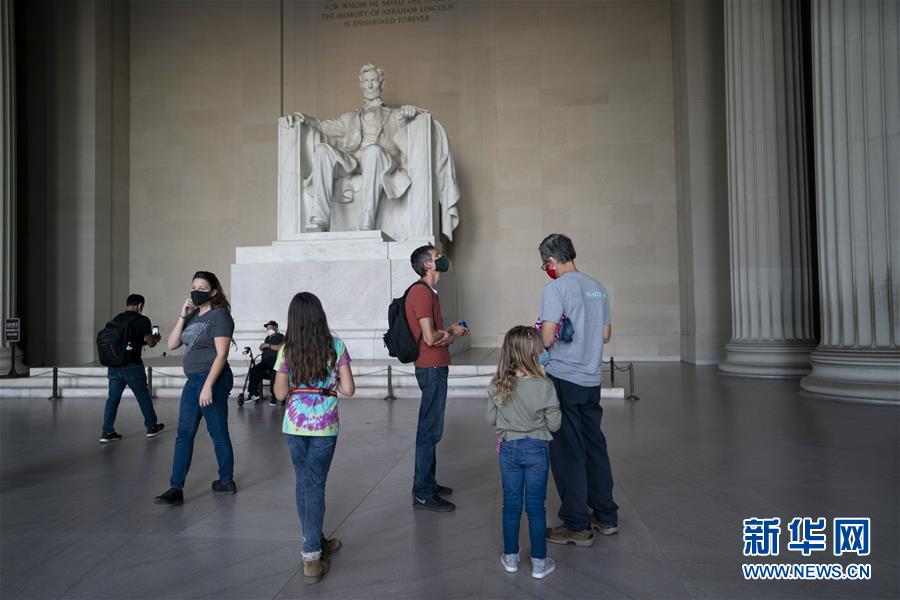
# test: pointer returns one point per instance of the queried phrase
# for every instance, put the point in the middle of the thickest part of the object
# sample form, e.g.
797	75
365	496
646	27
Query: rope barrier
612	369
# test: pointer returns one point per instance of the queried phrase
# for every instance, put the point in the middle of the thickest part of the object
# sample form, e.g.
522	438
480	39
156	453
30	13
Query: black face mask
199	298
442	265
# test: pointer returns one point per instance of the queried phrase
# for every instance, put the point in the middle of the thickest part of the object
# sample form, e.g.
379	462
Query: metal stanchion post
55	394
390	386
631	395
150	381
612	371
12	360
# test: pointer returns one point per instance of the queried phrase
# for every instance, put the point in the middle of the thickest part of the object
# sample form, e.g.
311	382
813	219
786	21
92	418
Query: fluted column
856	95
768	196
8	175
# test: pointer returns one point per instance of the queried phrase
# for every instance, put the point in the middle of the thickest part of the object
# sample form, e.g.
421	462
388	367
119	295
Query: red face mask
550	270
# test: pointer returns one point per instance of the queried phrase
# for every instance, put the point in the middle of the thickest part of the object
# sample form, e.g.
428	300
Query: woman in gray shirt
205	326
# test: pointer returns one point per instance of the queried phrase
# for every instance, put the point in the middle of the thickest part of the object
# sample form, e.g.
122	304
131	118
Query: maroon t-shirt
421	302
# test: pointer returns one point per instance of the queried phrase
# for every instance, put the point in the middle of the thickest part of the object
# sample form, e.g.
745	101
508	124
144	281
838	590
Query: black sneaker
224	488
443	490
170	497
109	437
435	503
154	431
273	402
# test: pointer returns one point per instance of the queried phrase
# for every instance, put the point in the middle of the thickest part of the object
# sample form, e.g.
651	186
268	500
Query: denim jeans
134	377
311	456
524	465
433	383
579	459
216	415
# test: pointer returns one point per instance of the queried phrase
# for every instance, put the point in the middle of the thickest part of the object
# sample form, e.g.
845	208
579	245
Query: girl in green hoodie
523	409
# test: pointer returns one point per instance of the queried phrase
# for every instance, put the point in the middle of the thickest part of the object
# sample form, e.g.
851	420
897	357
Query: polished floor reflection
696	455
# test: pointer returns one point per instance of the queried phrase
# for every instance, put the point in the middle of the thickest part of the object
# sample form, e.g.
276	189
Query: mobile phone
156	330
464	324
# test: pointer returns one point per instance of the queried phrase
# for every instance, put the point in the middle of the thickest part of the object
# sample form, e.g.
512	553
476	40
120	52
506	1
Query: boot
314	569
329	546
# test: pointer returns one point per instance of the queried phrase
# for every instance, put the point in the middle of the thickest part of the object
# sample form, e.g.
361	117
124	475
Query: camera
246	350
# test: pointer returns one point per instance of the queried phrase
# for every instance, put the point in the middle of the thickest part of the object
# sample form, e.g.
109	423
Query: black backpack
399	339
112	341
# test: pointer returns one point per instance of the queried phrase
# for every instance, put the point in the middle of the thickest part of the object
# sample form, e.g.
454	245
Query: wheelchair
269	376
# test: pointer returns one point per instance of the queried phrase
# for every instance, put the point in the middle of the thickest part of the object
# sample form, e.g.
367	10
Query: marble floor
696	455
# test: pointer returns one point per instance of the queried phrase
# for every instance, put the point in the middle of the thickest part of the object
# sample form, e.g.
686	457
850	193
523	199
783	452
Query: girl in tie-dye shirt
312	367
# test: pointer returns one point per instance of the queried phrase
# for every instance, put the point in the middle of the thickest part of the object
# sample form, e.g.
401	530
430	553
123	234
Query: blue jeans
579	459
311	456
524	465
433	383
216	415
134	377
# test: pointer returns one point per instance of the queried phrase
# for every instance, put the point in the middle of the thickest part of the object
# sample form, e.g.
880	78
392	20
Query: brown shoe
603	529
330	546
314	570
561	535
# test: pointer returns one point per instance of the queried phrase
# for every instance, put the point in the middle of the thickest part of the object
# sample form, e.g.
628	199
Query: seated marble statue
370	147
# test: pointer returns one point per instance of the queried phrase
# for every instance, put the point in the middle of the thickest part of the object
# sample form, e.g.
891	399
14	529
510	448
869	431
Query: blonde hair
521	347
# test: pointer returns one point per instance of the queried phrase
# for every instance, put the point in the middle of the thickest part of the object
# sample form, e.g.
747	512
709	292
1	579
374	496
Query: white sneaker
541	567
510	562
253	398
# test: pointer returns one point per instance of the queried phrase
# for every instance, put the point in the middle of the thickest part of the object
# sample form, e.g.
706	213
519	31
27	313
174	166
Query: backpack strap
406	293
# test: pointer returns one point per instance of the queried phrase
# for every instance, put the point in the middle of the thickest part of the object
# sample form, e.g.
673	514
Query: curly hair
519	354
308	344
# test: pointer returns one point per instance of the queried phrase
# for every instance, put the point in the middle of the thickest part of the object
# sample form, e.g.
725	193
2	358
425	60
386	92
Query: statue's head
371	80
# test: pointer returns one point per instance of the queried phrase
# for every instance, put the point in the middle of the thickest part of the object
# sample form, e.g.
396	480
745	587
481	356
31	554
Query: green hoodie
532	412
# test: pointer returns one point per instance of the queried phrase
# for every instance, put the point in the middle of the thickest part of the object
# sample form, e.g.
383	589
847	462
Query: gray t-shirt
584	301
199	335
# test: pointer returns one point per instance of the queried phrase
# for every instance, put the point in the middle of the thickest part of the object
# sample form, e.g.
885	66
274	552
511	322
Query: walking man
139	332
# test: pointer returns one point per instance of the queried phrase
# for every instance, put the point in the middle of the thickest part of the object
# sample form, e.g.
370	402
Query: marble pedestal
354	273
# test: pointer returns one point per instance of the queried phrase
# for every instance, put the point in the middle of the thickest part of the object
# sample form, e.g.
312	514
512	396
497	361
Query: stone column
771	282
856	95
8	175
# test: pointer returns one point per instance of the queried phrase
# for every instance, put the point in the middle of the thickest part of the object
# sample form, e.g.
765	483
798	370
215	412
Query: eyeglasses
545	263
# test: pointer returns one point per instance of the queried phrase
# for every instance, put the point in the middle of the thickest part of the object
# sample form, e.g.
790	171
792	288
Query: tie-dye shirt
313	414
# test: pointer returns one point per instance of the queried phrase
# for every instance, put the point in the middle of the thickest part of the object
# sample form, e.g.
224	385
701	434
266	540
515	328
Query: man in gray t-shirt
578	455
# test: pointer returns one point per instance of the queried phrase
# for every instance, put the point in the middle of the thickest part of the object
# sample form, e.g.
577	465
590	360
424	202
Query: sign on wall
12	330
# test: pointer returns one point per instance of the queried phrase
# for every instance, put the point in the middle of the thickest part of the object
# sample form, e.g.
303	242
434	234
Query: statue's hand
292	119
409	112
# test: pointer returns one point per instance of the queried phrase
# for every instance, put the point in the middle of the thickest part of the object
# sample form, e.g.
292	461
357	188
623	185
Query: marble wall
560	115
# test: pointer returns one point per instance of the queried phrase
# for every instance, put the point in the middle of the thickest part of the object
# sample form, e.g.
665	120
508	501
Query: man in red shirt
423	313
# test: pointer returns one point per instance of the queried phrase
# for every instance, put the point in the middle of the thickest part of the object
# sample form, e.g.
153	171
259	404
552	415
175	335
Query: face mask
442	264
199	298
271	331
550	270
